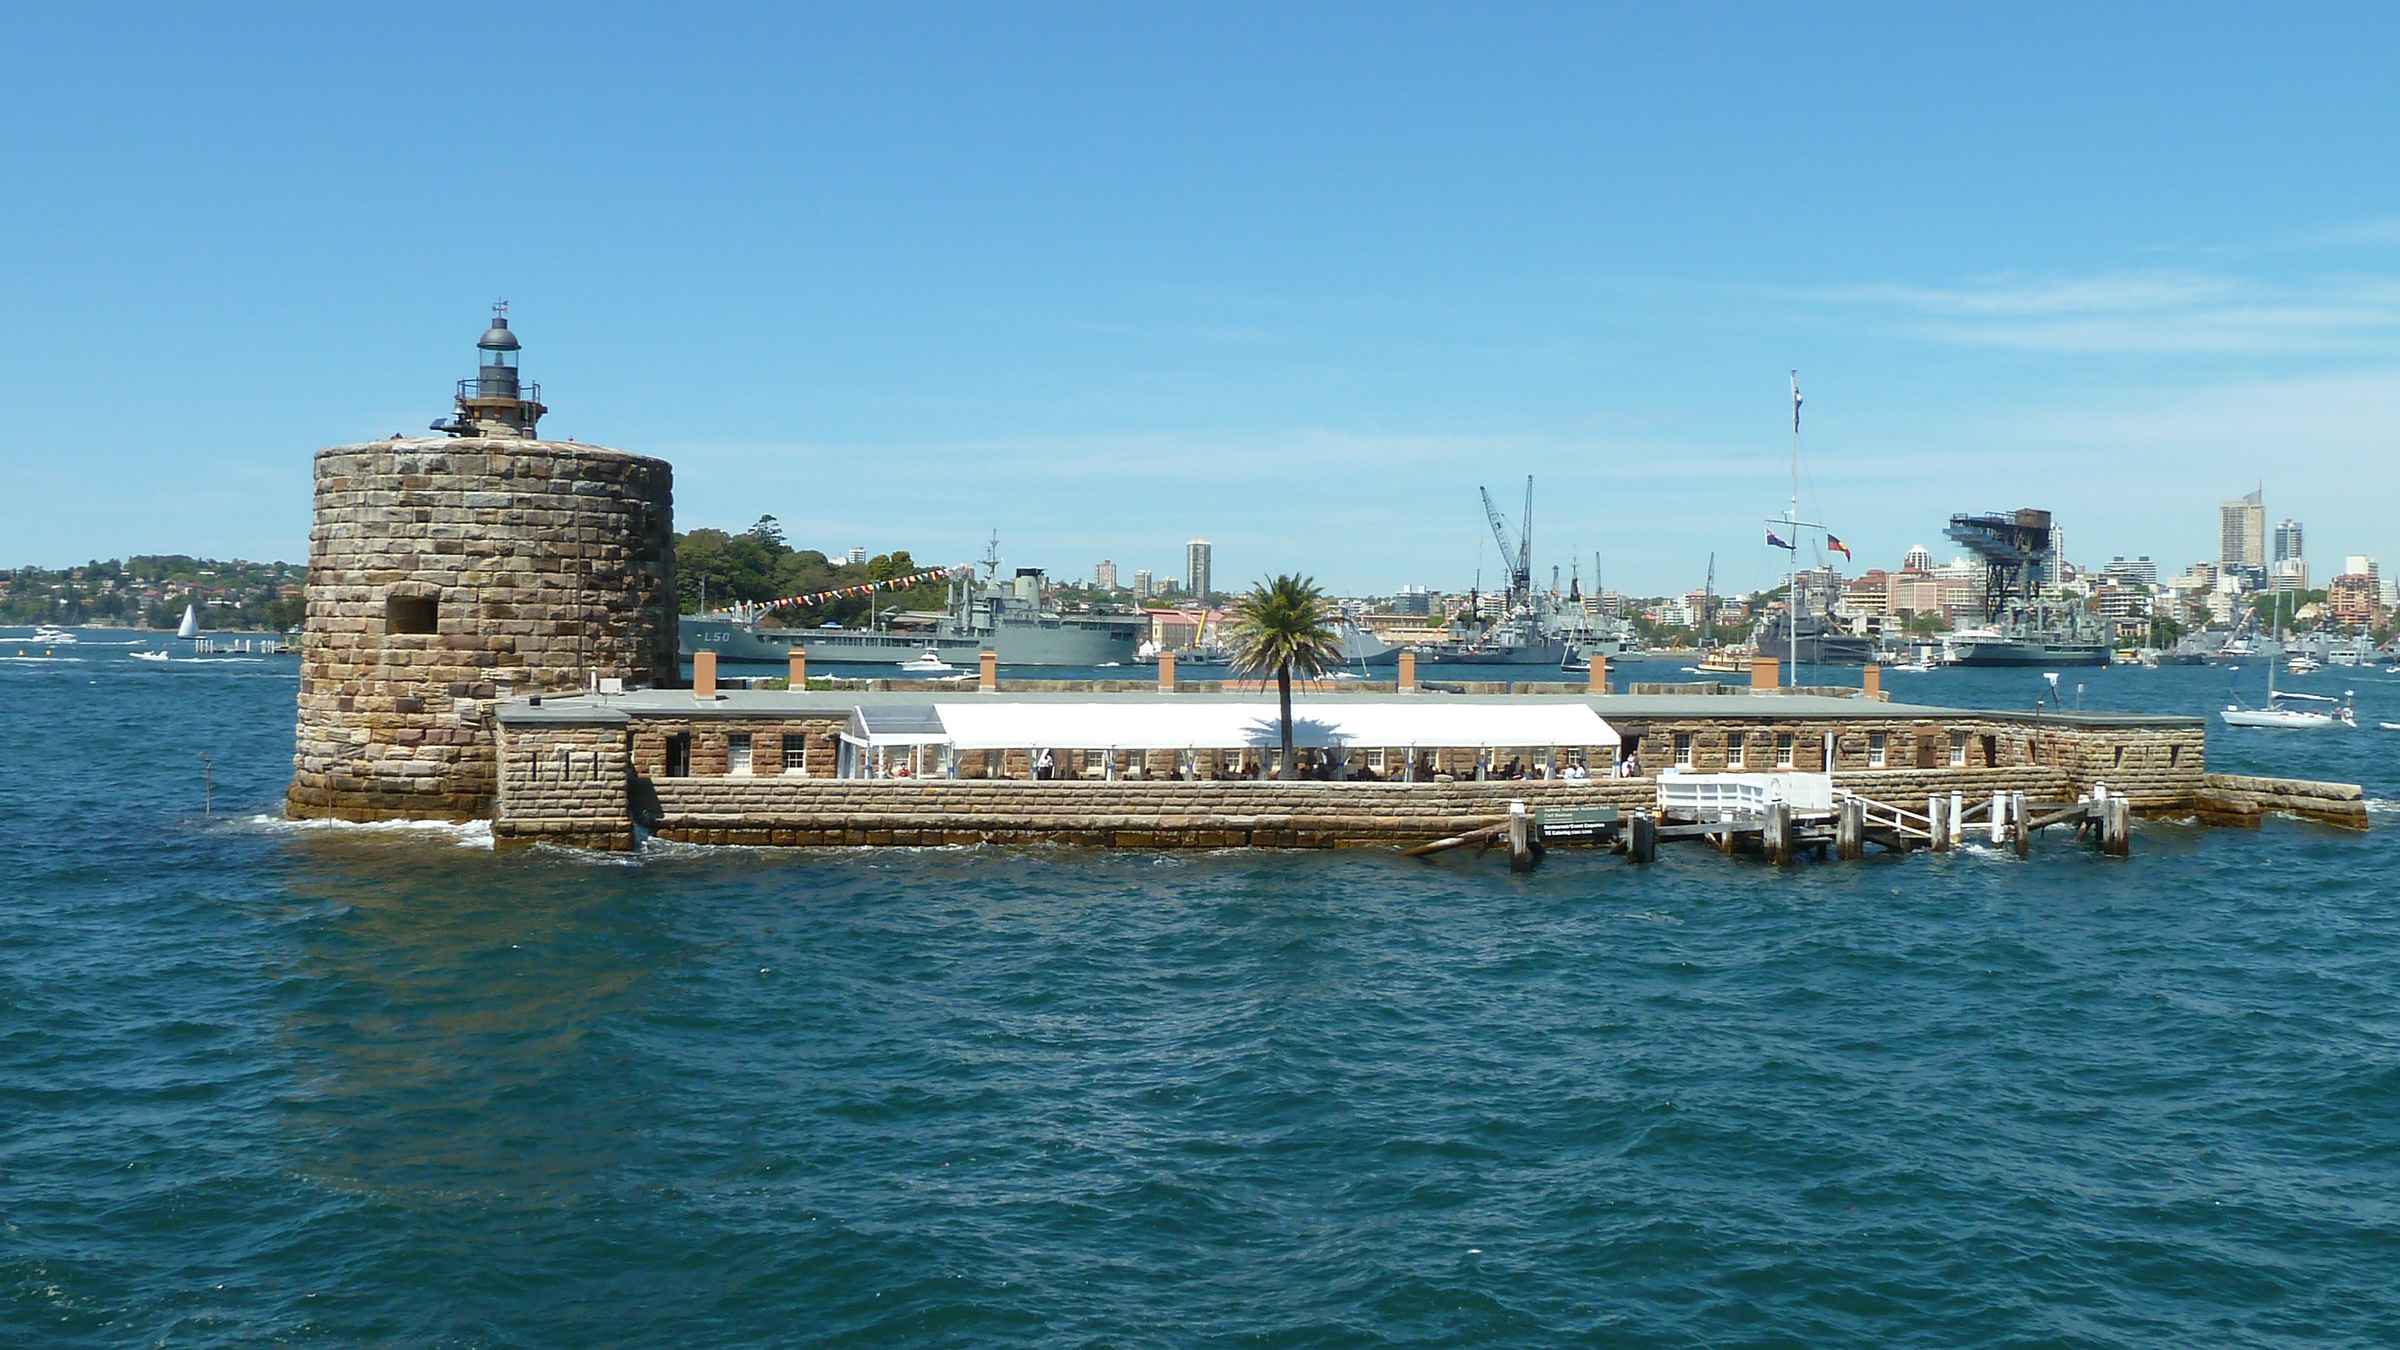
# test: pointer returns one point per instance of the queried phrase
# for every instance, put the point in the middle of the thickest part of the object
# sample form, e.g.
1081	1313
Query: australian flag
1773	542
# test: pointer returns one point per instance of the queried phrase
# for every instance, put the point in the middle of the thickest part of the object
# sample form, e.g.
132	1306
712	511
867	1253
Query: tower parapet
446	573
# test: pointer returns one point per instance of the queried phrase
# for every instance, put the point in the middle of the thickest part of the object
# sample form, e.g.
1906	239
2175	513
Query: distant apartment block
2139	569
1197	558
2242	533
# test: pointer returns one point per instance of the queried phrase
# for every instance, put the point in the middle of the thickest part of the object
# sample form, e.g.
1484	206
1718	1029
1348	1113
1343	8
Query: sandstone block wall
446	574
2156	766
1122	814
565	785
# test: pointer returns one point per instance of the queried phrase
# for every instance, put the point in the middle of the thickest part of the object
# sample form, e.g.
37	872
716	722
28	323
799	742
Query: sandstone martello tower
448	572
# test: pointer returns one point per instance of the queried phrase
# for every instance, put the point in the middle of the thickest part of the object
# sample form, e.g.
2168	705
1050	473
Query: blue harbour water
262	1082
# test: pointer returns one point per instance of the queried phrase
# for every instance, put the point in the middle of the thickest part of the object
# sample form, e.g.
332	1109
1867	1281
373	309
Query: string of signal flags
846	592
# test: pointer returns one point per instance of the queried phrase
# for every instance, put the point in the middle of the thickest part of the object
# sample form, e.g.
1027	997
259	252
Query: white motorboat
2303	665
51	635
2389	726
148	656
1915	667
929	662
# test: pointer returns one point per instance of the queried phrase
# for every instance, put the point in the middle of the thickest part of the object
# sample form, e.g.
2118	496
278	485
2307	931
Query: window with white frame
1958	749
1876	748
1378	760
795	754
1576	757
1783	750
1095	761
1683	749
737	752
1735	749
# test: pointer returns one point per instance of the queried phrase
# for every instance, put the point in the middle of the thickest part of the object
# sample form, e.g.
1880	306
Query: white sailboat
2291	711
190	627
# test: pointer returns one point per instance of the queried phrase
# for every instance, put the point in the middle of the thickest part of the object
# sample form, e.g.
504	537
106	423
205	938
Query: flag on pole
1773	542
1834	543
1795	403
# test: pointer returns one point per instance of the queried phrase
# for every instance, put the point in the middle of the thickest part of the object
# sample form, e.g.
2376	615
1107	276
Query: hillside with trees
758	565
151	590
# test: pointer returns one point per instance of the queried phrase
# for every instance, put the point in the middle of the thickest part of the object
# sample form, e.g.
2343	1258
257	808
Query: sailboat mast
1708	607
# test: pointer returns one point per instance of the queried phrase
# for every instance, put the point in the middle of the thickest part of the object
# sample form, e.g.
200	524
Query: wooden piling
1643	847
1523	848
1778	835
1937	816
2018	825
1850	830
2116	827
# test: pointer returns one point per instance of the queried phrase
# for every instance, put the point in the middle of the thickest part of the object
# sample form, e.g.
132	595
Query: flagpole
1791	592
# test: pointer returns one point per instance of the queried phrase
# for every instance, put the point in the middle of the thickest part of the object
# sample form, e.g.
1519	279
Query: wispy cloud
2382	230
2131	313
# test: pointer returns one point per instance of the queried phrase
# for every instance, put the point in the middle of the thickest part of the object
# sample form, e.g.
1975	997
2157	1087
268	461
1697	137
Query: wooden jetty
1765	820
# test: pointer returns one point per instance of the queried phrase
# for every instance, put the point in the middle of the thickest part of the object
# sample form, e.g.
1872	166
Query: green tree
769	534
1285	624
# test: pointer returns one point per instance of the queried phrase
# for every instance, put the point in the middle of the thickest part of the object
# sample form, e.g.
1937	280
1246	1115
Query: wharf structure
1131	767
491	634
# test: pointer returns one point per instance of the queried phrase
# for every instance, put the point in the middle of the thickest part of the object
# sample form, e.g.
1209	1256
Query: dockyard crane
1515	555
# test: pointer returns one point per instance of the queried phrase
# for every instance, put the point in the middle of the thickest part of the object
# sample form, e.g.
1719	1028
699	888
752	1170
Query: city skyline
1276	290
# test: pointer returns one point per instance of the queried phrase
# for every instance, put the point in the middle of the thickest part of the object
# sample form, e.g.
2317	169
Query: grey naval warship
985	613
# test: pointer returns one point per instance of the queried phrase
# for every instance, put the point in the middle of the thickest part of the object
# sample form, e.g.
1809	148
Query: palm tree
1285	624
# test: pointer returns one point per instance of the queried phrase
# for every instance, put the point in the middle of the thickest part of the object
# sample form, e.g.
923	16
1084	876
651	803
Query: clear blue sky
1108	277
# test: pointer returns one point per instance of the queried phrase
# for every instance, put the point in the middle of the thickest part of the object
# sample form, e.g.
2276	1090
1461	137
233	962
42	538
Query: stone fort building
448	573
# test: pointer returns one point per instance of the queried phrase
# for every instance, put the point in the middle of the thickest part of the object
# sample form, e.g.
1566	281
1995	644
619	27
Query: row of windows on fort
790	754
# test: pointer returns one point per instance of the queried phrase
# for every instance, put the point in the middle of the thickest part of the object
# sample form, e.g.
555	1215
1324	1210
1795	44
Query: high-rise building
1105	575
1196	559
2360	565
1917	559
855	556
1143	587
2288	541
2242	533
2291	575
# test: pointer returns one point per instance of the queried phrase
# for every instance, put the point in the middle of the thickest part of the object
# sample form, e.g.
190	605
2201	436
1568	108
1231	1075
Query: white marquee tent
968	726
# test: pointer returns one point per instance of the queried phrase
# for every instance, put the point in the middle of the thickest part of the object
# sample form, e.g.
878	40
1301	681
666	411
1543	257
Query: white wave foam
467	834
2382	806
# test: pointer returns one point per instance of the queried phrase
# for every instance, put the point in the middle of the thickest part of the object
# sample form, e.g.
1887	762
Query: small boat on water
2296	712
51	635
190	627
929	662
2389	726
2303	665
148	656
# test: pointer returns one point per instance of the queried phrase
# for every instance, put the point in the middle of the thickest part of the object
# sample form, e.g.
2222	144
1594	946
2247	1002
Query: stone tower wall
446	574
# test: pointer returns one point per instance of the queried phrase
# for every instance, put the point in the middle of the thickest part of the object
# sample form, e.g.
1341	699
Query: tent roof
913	725
986	725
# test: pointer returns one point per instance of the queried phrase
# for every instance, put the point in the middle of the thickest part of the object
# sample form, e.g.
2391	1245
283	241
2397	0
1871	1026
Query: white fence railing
1729	796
